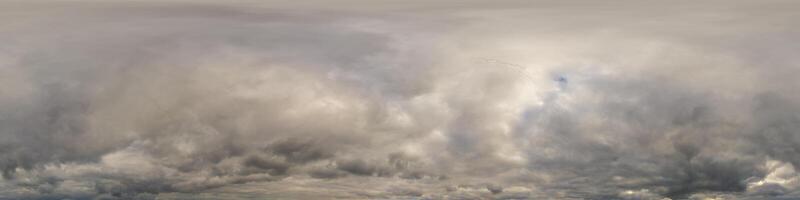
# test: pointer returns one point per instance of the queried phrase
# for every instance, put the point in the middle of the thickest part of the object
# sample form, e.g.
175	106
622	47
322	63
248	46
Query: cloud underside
514	100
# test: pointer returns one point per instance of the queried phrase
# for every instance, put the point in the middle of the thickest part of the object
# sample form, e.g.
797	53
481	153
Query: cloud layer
391	100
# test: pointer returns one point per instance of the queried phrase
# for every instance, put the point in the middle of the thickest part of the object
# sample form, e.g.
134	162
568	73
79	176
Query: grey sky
399	100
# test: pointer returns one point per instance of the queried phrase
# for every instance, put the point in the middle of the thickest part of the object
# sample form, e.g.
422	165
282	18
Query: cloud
424	100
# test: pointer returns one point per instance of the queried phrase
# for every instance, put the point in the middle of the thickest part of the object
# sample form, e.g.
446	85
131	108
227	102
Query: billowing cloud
399	100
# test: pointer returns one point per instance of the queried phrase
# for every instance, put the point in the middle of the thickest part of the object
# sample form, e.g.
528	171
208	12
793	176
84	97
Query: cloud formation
391	100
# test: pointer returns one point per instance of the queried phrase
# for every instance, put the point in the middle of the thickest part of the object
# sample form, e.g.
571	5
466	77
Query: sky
357	99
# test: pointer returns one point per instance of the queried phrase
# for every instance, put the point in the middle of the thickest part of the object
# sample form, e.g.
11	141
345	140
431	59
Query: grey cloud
420	100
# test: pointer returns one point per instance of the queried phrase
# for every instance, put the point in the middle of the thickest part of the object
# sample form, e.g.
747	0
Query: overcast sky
366	99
